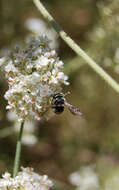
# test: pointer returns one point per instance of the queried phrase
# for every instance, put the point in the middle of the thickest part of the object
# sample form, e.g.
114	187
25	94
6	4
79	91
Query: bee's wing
74	110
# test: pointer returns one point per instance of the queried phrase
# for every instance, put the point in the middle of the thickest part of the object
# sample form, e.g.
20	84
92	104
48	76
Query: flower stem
18	151
76	47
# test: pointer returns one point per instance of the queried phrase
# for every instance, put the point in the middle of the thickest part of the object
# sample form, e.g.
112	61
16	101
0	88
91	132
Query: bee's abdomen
58	103
59	109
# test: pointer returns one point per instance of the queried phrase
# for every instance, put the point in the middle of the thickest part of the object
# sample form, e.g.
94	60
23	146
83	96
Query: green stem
75	47
18	151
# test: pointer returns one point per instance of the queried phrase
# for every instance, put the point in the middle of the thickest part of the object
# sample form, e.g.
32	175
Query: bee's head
60	94
57	94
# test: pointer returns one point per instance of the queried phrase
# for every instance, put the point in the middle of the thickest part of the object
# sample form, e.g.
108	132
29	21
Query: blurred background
77	152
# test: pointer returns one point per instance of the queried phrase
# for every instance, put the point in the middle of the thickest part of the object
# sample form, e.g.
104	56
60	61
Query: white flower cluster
25	180
85	179
33	74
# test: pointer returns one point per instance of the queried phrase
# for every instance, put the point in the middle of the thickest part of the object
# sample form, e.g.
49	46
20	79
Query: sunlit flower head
27	179
33	74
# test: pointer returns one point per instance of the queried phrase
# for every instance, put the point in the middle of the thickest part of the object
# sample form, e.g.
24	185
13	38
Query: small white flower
45	91
42	62
53	80
10	67
6	175
60	75
45	77
35	77
38	106
60	64
29	67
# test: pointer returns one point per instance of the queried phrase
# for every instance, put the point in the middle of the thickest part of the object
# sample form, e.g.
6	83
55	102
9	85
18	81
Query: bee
58	102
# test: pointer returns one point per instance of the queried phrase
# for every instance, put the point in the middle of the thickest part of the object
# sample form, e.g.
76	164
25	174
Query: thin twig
75	47
18	151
